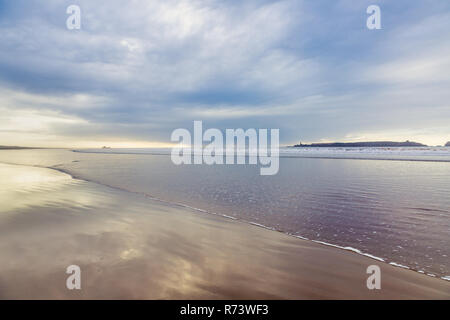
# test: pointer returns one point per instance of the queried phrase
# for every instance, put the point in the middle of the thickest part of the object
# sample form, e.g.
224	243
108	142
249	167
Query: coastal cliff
363	144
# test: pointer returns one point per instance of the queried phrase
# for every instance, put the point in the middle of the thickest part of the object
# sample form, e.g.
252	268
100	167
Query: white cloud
138	69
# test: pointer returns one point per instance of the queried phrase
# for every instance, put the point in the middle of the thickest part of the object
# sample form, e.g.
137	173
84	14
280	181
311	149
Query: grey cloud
152	66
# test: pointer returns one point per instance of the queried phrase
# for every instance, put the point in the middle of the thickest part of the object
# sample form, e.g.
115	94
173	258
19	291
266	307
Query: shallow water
396	210
131	247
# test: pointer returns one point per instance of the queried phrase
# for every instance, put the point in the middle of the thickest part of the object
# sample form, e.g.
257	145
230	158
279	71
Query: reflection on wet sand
129	246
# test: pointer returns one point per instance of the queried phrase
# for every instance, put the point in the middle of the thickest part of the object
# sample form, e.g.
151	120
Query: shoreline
301	268
246	222
344	248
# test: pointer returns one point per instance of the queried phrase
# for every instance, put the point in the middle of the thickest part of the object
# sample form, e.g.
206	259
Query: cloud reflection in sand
129	246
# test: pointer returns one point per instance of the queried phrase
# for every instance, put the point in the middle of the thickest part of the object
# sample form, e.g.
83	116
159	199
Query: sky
137	70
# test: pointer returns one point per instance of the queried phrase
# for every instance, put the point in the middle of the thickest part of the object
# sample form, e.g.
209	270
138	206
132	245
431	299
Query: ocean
391	204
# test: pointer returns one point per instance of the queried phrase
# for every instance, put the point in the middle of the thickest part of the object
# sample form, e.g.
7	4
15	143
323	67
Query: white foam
349	249
380	153
399	265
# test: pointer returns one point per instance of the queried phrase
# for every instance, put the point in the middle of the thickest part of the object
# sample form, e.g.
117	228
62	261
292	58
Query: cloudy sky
137	70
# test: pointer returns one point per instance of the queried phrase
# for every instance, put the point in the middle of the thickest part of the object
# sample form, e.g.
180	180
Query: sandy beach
129	246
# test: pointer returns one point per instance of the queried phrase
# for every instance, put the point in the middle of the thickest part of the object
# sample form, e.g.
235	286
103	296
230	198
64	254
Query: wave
429	154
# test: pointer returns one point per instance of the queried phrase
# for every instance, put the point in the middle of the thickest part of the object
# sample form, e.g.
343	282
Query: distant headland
447	144
15	148
362	144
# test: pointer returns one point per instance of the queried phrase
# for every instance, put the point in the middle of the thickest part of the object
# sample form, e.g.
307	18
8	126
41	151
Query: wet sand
129	246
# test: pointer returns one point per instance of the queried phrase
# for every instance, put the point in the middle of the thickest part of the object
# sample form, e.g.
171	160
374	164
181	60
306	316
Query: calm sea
393	204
